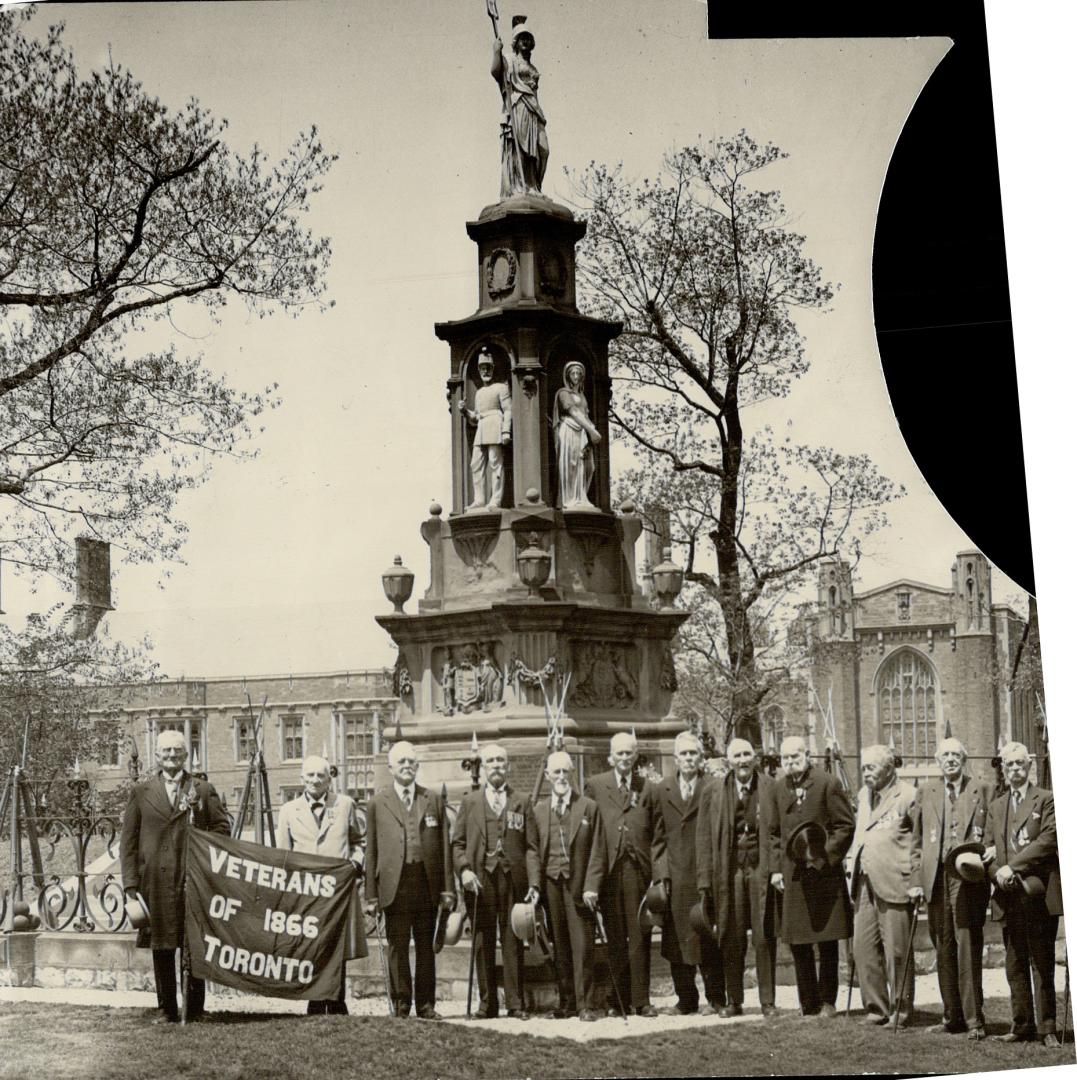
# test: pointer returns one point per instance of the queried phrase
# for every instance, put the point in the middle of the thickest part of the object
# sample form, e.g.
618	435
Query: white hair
315	763
490	748
559	759
688	737
1015	750
397	749
878	755
947	745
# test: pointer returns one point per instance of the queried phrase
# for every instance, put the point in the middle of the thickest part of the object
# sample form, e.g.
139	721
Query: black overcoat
520	840
815	905
153	850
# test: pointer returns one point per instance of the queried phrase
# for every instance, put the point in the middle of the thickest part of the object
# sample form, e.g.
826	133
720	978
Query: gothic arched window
773	728
907	703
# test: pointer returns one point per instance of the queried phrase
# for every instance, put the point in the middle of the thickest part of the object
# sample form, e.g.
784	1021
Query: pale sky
282	568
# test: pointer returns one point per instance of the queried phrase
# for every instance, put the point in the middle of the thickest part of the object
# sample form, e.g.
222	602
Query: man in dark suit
953	811
816	913
153	852
495	852
572	865
629	811
1020	833
682	802
406	876
732	861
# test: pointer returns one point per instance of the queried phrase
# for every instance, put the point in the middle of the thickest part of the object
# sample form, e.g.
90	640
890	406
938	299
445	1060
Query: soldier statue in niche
492	418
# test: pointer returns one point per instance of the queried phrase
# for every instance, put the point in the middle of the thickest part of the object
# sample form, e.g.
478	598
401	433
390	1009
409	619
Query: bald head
951	755
315	776
403	763
688	754
741	757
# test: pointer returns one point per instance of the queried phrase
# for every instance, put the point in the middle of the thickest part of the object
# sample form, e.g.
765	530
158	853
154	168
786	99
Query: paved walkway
927	999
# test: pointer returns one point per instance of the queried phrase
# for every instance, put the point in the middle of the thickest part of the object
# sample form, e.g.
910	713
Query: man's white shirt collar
492	795
400	789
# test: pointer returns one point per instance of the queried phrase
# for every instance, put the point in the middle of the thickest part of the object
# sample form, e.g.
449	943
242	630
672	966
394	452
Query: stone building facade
344	716
905	664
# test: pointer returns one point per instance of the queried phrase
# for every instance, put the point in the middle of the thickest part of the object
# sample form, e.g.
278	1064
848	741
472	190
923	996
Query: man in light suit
885	858
495	852
953	811
1020	833
629	812
406	877
572	865
322	822
153	860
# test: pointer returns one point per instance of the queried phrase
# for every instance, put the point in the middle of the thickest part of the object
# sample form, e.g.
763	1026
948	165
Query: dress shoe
976	1034
674	1010
770	1010
589	1015
617	1012
482	1015
158	1017
709	1009
873	1020
1014	1037
403	1011
946	1029
828	1010
518	1014
731	1010
555	1014
1050	1041
429	1013
646	1010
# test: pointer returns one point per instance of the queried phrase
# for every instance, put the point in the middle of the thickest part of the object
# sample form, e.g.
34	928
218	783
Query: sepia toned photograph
502	571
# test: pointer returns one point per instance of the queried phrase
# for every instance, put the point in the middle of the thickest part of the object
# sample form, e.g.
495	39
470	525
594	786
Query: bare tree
115	211
701	267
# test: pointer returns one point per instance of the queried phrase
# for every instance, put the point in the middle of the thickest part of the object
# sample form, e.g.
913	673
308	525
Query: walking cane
908	959
609	966
384	968
473	915
852	970
1066	999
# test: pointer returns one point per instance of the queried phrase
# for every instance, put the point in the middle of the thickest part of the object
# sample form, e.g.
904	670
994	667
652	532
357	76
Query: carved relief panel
606	675
469	677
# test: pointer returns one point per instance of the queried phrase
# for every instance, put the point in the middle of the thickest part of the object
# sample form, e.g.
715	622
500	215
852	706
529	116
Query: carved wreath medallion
500	273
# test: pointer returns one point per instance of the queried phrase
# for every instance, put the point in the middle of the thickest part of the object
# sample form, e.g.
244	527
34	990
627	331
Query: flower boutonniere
633	799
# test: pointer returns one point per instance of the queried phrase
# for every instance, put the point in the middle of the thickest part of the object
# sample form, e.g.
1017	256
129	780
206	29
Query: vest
495	838
413	849
745	832
557	860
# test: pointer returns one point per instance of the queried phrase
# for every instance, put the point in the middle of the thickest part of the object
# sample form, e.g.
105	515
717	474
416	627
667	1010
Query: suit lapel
183	794
883	805
392	803
1028	804
575	816
158	794
543	810
967	802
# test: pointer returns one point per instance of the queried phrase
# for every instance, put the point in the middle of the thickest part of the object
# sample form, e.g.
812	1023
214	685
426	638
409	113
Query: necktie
316	809
742	794
560	807
407	798
172	787
953	795
1016	801
499	802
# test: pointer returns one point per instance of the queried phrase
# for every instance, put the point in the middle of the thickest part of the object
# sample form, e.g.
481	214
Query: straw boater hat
965	861
807	843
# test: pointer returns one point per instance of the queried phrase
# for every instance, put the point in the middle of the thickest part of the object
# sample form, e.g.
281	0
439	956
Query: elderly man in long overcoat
1028	895
886	884
682	800
153	861
953	811
627	805
816	913
324	822
733	867
406	877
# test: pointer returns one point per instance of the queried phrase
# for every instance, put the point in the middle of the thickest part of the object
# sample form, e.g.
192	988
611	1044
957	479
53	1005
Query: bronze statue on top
524	148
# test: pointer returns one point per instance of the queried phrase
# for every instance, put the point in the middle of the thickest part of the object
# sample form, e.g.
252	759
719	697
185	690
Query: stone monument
533	611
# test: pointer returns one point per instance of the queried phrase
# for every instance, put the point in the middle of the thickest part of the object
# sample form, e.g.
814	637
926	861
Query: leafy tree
114	212
701	267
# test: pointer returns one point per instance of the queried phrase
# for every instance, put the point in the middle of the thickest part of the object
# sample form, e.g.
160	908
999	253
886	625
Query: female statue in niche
574	433
524	147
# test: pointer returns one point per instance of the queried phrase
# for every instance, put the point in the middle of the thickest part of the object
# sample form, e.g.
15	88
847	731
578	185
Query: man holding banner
323	822
406	876
152	860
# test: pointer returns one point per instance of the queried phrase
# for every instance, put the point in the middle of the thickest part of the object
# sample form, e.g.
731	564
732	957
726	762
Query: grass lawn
67	1040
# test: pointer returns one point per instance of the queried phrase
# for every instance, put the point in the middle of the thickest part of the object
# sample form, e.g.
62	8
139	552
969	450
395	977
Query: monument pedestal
494	653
